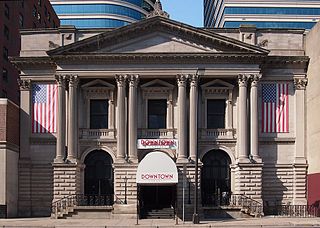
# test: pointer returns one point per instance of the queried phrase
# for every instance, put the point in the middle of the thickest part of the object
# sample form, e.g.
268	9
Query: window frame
224	114
165	115
99	114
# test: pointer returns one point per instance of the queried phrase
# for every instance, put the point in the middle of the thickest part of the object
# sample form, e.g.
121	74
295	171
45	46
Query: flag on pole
275	108
44	100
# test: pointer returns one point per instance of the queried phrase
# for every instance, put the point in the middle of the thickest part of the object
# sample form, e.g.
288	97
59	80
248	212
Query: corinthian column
243	121
133	83
254	127
182	128
121	117
72	119
61	128
193	116
300	85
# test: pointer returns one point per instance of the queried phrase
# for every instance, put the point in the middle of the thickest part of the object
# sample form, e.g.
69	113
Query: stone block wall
248	180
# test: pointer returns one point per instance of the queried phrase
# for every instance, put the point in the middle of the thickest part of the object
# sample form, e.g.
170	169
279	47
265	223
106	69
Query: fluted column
61	128
193	133
254	127
72	118
121	117
300	85
133	117
243	121
182	128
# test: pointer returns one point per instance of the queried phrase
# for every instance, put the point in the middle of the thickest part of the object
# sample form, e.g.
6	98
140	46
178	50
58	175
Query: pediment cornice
157	24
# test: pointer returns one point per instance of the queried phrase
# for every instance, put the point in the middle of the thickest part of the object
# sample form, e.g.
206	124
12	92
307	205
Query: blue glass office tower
101	13
262	13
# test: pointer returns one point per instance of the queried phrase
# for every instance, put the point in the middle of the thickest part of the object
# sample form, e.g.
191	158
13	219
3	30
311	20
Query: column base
182	160
72	160
256	159
58	160
243	160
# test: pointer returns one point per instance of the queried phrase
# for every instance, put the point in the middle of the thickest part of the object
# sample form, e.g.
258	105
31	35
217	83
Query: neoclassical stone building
135	105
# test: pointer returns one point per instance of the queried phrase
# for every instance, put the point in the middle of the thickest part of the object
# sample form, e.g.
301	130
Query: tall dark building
101	14
16	15
263	14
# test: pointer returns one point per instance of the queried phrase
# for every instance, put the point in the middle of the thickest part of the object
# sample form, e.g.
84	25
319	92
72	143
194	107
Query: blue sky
186	11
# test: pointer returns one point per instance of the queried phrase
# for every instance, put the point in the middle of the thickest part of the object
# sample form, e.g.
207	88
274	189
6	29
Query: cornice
138	58
287	60
32	62
157	24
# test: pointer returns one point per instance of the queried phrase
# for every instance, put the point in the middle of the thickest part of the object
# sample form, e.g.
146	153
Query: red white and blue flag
275	108
44	100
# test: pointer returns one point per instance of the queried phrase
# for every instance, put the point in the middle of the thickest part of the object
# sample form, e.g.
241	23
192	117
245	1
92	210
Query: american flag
275	108
44	100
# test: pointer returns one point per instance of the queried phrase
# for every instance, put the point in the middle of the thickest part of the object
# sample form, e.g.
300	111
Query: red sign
157	143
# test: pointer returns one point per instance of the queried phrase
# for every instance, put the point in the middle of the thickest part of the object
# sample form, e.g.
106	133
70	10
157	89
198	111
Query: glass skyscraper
101	13
262	13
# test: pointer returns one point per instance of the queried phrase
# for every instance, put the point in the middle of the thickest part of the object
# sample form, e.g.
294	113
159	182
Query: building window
5	53
6	10
6	32
39	18
99	114
5	74
157	114
39	2
216	109
21	21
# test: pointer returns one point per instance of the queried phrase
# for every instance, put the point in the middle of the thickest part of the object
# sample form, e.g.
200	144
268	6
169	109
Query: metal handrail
248	205
62	206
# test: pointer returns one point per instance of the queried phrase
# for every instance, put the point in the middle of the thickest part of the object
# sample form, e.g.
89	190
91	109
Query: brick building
135	105
14	16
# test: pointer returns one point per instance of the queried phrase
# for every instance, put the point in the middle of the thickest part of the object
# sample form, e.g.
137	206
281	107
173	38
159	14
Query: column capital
60	79
121	80
255	78
194	79
243	80
24	84
133	80
73	80
182	79
300	83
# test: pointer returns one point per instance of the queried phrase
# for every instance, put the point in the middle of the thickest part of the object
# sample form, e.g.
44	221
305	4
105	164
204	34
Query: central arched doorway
215	178
98	178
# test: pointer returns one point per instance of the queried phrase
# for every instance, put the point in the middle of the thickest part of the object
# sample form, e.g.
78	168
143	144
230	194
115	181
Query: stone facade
161	59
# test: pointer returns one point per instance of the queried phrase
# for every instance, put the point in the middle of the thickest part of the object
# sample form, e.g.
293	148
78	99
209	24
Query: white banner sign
157	143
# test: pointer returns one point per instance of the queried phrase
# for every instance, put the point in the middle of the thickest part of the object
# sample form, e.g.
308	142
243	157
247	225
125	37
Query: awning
157	168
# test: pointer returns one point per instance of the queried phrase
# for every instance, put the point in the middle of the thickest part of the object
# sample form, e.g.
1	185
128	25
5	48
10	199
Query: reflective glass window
216	109
98	114
270	24
157	114
94	23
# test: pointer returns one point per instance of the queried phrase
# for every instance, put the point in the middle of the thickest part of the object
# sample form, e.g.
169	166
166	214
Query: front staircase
160	213
84	206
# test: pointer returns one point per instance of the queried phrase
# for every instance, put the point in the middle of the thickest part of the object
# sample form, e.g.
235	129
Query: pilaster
300	85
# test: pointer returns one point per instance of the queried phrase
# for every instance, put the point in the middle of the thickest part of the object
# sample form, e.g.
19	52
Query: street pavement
159	223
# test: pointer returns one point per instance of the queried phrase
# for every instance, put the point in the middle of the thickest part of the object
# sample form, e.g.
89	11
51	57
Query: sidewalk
160	223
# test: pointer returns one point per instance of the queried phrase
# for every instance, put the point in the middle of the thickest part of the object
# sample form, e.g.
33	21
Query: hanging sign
157	144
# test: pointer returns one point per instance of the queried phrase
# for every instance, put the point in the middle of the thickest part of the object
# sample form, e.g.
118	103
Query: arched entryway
98	177
215	178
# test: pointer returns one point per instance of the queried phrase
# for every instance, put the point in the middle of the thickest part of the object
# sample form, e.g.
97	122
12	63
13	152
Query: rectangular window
6	32
5	54
157	114
6	11
99	114
216	110
5	74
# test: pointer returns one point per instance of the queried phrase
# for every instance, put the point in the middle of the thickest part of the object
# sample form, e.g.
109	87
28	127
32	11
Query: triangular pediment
157	35
157	83
97	83
217	83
